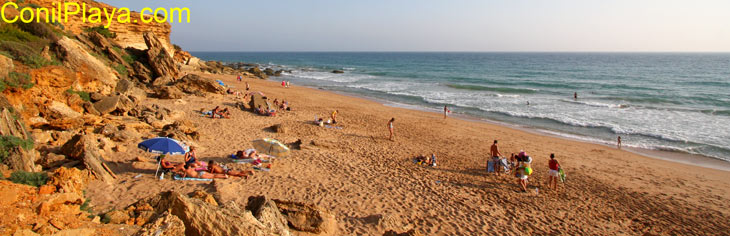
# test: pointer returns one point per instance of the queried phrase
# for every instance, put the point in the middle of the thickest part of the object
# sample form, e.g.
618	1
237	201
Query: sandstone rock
75	102
61	137
95	75
159	57
53	76
265	210
181	130
338	71
124	86
95	97
41	136
51	160
66	123
60	110
307	217
201	218
86	148
116	217
46	189
279	128
168	93
142	73
162	81
195	84
165	224
76	232
60	202
125	135
89	108
6	66
69	180
25	232
258	73
269	71
205	196
118	103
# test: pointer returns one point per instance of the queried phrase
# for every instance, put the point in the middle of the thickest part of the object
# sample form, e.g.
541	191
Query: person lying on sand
224	113
214	168
190	172
284	106
215	111
276	102
319	122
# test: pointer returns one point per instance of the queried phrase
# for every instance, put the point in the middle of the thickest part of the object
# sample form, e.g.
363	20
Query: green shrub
35	179
37	61
103	31
7	143
121	69
129	58
177	47
16	80
84	95
4	53
11	32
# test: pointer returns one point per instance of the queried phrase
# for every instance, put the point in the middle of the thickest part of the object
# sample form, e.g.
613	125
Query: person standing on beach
247	87
554	172
334	117
494	151
390	128
619	142
446	111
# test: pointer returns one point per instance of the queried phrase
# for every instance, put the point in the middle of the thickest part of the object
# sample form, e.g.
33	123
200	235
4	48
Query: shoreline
672	156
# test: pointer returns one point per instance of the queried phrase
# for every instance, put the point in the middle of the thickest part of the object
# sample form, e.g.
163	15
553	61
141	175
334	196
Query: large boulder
307	217
194	84
257	72
69	180
269	72
109	104
201	218
181	130
141	72
94	74
60	110
265	210
158	56
168	93
165	224
6	66
86	148
124	86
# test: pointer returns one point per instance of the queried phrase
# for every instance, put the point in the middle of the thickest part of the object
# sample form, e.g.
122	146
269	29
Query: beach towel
176	177
332	127
261	168
504	164
490	166
249	160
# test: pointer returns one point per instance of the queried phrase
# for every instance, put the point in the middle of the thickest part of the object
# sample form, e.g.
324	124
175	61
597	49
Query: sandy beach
371	185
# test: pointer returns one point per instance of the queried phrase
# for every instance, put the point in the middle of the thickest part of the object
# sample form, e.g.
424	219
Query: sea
678	102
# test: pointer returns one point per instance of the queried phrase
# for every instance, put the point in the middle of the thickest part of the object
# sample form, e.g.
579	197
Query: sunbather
215	111
217	169
169	166
224	113
191	157
192	173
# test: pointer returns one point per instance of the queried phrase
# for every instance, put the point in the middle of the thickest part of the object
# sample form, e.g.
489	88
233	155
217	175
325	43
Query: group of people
521	164
332	120
192	168
285	84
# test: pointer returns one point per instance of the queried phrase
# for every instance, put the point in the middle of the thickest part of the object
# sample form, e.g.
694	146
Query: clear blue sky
457	25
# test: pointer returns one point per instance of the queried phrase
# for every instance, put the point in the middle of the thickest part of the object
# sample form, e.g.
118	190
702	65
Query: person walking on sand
494	151
554	172
390	128
619	142
446	111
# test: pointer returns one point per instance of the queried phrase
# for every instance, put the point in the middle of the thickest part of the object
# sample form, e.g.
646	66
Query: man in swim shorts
494	151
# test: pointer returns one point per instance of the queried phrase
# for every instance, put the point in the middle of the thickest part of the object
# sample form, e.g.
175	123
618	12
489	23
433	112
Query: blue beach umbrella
163	145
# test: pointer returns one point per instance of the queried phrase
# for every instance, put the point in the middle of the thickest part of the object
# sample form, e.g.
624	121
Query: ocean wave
596	104
491	89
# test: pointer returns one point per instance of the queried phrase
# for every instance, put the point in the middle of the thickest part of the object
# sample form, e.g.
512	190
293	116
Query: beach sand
371	185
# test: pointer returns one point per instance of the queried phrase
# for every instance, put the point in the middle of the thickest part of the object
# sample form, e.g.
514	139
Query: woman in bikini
191	158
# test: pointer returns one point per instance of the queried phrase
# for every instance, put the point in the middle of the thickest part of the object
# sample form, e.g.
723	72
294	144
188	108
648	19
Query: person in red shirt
554	172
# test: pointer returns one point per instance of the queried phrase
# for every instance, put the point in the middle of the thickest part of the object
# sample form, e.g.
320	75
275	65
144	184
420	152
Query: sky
456	25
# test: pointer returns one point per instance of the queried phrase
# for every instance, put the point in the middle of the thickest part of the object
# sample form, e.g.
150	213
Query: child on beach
524	170
390	128
554	172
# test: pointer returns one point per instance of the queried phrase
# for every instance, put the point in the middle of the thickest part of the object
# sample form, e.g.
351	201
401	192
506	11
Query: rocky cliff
127	34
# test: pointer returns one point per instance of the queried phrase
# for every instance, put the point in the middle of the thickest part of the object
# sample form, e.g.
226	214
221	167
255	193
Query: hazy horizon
439	26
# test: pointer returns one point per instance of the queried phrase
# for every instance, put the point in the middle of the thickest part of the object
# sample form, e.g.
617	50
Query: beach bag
562	175
528	170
